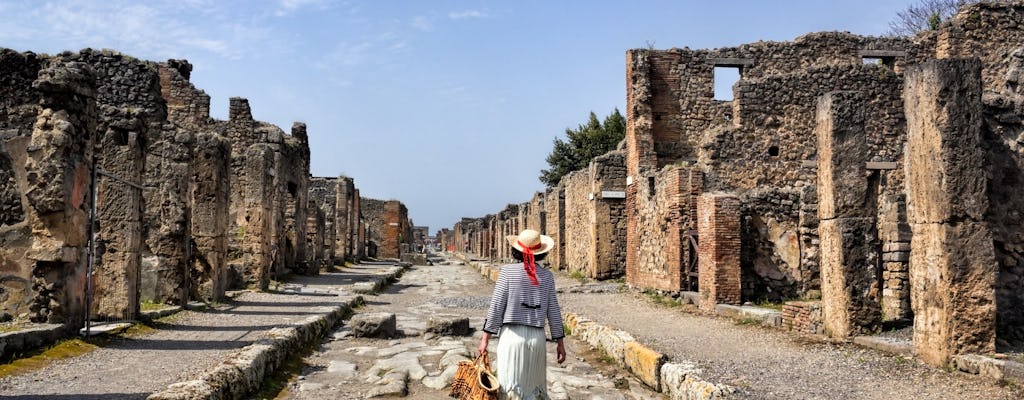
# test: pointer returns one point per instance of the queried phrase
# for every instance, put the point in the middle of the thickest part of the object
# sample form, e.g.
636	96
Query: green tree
927	15
582	144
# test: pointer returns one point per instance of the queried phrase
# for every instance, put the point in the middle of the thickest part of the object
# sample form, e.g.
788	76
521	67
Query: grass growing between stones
658	298
275	385
577	275
749	321
66	349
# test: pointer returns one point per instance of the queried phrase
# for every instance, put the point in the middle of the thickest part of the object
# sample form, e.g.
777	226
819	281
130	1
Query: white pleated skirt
522	363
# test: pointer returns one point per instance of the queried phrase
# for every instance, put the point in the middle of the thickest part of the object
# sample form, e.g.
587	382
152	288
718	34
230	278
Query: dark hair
518	255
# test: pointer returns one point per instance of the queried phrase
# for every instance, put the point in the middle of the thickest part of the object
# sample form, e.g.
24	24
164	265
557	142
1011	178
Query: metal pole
92	248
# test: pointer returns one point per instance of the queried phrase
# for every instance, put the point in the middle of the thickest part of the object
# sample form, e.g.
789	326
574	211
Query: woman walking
523	297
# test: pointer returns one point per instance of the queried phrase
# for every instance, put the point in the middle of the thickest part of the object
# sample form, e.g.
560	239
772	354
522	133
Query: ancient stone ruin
863	179
114	165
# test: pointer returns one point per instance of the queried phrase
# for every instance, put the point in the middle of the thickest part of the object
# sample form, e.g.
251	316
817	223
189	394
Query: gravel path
767	364
183	347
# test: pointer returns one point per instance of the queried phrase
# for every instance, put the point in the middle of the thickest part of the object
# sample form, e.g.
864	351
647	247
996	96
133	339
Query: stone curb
990	367
678	380
243	373
885	344
30	338
768	317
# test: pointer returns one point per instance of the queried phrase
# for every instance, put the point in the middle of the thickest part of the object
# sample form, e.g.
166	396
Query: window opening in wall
650	186
773	151
725	78
886	61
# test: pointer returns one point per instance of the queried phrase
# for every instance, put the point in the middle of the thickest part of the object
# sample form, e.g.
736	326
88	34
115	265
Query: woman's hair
518	255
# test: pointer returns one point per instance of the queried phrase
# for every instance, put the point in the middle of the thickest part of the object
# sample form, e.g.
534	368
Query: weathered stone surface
842	152
849	276
945	182
451	325
645	363
952	273
373	325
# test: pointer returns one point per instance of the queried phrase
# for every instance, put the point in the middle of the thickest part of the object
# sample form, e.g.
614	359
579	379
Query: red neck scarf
528	262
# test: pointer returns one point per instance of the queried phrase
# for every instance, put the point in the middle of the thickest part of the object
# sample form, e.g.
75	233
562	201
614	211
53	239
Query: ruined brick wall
661	218
718	224
395	230
48	125
373	219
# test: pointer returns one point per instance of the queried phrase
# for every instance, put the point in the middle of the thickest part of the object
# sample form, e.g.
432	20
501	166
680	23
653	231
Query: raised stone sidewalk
220	353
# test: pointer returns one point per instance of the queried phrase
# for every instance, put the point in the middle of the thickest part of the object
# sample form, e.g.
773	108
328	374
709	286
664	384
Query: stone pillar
210	198
846	209
952	260
718	224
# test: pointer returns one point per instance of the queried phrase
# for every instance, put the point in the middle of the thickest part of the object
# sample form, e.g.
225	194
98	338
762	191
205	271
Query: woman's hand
484	341
560	351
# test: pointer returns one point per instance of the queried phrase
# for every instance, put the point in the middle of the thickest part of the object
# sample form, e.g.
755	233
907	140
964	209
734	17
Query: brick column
846	209
952	259
718	224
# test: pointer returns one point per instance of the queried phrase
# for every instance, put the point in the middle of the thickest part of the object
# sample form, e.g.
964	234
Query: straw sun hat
531	239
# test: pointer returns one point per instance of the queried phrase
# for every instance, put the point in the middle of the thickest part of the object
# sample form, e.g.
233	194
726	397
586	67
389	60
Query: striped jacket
517	301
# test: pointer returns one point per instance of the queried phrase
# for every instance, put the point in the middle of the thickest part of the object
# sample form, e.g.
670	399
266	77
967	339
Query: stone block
952	277
379	325
849	276
644	363
842	153
946	180
450	325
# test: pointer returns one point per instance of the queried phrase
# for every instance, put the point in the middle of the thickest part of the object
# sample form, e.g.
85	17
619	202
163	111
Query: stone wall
554	212
321	246
186	206
373	217
47	123
594	218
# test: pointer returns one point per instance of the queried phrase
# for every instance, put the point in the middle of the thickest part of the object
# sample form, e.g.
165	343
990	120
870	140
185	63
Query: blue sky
449	106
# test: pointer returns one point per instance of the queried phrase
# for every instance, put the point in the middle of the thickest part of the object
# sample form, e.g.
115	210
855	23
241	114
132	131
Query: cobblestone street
420	364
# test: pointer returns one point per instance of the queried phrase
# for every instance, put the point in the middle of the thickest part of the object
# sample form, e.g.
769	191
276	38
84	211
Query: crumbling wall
554	212
395	229
373	218
132	115
48	120
323	196
210	217
1001	132
169	178
346	220
595	222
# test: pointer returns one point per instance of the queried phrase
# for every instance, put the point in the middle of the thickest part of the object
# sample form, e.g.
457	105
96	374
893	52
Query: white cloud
422	23
467	14
290	6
